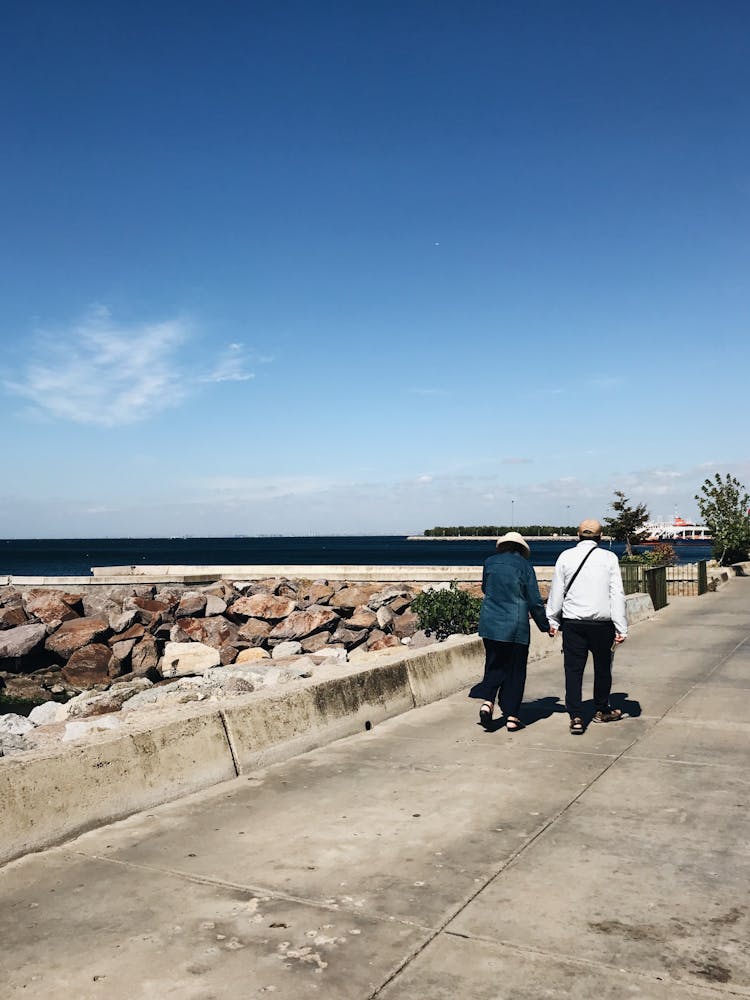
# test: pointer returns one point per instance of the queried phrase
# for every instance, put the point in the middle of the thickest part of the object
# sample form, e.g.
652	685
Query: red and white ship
678	530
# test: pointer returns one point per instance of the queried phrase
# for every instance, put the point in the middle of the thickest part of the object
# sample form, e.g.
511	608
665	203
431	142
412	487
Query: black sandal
608	715
485	715
513	725
576	727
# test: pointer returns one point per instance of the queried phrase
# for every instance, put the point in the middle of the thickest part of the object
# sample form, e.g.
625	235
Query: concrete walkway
429	860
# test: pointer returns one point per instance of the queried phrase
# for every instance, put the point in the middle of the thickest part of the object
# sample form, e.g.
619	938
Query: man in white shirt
587	601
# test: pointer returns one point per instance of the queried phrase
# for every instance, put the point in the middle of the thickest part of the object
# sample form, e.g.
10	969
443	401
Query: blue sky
293	267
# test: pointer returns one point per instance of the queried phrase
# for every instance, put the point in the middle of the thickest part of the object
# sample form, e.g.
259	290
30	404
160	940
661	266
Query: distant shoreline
493	538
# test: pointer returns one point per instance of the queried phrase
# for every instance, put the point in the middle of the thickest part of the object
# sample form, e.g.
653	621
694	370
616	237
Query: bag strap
572	580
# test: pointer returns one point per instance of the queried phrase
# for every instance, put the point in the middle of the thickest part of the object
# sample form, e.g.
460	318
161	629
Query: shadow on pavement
540	708
628	706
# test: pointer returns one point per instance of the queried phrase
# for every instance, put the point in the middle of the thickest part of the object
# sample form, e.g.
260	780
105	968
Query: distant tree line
494	530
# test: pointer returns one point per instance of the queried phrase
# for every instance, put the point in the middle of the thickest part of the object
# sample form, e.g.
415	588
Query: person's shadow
531	711
539	709
628	706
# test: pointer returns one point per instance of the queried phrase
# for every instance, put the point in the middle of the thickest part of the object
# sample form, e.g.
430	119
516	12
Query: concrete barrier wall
282	725
48	797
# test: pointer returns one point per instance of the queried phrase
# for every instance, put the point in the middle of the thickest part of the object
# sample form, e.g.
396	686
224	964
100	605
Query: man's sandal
610	715
485	715
512	724
576	727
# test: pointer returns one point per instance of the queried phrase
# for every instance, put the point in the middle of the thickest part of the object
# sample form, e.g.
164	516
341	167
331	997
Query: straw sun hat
514	536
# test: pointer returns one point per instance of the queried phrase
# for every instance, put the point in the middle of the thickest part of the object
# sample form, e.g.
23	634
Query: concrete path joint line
258	890
710	991
702	682
506	864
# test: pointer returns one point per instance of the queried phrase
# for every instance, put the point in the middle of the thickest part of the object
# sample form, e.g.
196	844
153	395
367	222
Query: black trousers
579	639
504	675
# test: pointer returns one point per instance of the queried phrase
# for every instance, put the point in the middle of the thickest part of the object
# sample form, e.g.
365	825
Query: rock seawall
74	655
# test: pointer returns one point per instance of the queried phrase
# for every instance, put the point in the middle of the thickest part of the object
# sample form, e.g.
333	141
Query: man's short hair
590	529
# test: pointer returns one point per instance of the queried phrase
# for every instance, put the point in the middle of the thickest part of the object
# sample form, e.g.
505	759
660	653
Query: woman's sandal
576	727
512	724
485	715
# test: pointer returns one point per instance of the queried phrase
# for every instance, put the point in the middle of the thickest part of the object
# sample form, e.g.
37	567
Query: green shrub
446	612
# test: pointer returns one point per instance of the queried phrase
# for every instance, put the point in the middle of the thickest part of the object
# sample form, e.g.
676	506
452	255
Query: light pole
567	510
512	521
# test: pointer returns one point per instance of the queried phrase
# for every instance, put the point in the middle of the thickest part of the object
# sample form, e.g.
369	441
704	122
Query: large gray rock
10	744
88	666
90	703
181	691
134	631
254	631
265	606
122	650
15	725
228	681
285	649
385	642
349	637
331	654
362	618
52	605
319	592
192	605
350	597
315	642
144	657
12	616
252	655
48	713
215	631
390	593
21	640
420	639
181	659
215	605
405	624
121	621
75	633
385	618
300	624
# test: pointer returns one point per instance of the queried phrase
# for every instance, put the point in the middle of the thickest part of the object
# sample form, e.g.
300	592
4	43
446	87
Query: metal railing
661	582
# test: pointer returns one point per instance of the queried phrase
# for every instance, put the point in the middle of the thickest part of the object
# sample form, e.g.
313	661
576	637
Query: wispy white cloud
99	372
429	392
109	374
231	366
516	461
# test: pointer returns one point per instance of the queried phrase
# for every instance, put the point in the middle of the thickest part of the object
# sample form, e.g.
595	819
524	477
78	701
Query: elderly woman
511	594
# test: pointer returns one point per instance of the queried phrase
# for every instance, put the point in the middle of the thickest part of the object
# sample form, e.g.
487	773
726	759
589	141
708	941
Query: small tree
627	523
723	504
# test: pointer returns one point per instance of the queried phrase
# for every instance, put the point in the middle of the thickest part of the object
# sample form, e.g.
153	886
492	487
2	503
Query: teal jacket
511	594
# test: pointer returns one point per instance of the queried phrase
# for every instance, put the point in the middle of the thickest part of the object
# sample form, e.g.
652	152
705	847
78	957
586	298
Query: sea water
76	556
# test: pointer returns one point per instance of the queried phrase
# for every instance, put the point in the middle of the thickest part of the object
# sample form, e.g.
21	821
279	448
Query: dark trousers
579	639
504	673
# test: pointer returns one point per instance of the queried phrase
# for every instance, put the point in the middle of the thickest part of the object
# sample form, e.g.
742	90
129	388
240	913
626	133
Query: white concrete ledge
49	796
332	572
